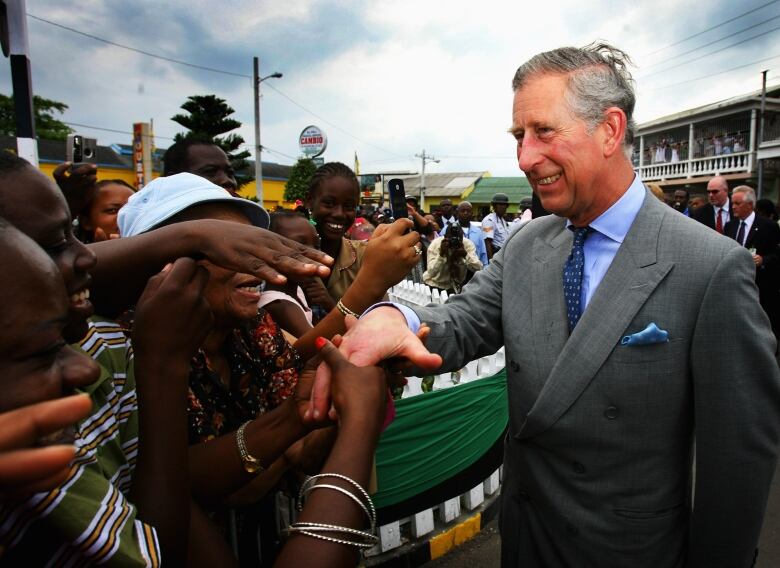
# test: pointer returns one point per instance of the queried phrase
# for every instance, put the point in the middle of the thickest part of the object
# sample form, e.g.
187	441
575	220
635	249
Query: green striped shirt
88	519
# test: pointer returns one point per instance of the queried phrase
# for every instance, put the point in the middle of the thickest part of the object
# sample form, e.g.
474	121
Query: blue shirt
476	236
609	230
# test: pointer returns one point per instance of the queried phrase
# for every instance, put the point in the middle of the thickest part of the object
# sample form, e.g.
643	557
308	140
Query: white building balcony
690	147
740	162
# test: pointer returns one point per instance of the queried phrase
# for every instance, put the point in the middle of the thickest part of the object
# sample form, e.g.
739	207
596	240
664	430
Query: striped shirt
88	519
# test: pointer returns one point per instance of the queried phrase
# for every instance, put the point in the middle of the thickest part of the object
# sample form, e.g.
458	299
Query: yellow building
116	162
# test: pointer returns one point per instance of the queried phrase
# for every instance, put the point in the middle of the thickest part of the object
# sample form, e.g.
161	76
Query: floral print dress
263	372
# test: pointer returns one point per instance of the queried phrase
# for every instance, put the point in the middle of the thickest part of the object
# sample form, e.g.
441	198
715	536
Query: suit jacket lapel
751	234
633	275
548	308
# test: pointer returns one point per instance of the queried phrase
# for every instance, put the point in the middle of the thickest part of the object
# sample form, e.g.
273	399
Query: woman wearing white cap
245	367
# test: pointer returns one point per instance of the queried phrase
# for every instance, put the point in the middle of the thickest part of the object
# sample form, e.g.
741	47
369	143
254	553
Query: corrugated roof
516	188
740	100
453	184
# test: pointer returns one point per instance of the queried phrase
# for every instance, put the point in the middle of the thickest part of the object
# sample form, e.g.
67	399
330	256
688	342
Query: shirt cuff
411	318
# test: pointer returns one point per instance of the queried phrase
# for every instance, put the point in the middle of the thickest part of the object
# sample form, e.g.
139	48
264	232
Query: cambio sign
312	141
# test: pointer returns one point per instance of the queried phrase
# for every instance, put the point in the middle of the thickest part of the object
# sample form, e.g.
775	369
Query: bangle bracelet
367	537
368	507
345	311
309	532
357	501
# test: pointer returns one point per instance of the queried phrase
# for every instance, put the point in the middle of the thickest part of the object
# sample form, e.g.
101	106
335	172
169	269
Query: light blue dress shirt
609	230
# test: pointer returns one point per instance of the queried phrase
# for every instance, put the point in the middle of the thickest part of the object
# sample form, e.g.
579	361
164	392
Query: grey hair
598	78
464	203
750	194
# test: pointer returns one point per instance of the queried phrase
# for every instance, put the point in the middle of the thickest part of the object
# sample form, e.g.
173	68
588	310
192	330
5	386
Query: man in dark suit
718	211
631	334
761	237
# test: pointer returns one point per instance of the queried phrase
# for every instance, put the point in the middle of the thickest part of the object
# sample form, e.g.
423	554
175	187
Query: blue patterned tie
572	275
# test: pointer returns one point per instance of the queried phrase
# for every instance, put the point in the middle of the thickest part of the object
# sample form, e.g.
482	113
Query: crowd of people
669	150
161	328
178	354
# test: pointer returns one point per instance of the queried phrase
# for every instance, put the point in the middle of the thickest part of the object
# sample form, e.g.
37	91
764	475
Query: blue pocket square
649	335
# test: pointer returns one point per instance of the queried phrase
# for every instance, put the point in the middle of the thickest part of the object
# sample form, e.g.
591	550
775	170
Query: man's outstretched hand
379	335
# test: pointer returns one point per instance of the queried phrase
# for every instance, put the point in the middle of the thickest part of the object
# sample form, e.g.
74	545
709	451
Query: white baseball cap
164	197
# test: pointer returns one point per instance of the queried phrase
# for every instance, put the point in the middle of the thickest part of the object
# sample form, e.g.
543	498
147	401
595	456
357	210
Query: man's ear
613	131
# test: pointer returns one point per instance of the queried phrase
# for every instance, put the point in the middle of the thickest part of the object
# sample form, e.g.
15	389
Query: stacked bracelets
362	539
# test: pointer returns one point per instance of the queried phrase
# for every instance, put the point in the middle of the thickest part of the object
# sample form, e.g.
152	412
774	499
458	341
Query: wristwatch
251	464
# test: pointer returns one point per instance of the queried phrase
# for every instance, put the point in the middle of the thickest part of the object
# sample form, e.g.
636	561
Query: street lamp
258	147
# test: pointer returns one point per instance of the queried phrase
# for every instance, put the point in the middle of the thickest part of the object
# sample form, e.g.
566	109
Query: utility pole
425	158
761	135
256	80
13	32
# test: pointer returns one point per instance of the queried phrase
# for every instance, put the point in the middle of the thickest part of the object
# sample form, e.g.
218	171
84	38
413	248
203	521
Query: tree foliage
298	185
46	126
208	120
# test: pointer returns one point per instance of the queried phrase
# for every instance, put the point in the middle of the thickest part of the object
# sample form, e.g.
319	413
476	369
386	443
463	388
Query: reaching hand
389	257
78	184
25	468
379	335
356	392
255	251
172	317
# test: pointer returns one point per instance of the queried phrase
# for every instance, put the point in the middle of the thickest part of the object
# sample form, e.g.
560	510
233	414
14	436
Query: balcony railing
711	165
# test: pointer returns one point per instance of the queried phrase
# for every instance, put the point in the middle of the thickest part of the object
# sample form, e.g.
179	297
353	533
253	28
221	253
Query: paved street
483	551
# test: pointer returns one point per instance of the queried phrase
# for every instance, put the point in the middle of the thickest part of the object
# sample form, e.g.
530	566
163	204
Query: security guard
494	226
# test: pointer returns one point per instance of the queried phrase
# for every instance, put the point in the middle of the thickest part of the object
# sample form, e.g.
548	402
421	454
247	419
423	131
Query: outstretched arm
359	397
389	257
172	319
124	265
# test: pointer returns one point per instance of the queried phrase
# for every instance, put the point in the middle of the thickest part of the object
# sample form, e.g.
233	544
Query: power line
214	70
110	130
712	42
299	105
710	53
712	28
141	51
713	74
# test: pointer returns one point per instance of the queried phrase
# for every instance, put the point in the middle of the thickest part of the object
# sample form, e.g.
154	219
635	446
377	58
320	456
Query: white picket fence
423	524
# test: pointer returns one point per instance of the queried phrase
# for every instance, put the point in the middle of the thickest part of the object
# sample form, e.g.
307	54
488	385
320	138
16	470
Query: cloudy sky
385	79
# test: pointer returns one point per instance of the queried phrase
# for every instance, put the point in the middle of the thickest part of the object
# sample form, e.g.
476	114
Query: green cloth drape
438	434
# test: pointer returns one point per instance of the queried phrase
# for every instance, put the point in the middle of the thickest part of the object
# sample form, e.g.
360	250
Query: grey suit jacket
597	468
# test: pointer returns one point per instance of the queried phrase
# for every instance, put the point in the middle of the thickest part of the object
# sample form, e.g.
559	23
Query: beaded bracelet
345	311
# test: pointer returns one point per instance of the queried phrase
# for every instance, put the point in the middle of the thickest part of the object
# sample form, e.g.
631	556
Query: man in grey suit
633	335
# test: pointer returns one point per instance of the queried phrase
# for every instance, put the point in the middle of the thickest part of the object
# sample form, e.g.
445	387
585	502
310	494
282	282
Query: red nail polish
319	343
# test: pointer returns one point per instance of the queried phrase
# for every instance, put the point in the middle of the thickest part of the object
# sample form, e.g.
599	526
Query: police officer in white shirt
495	226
